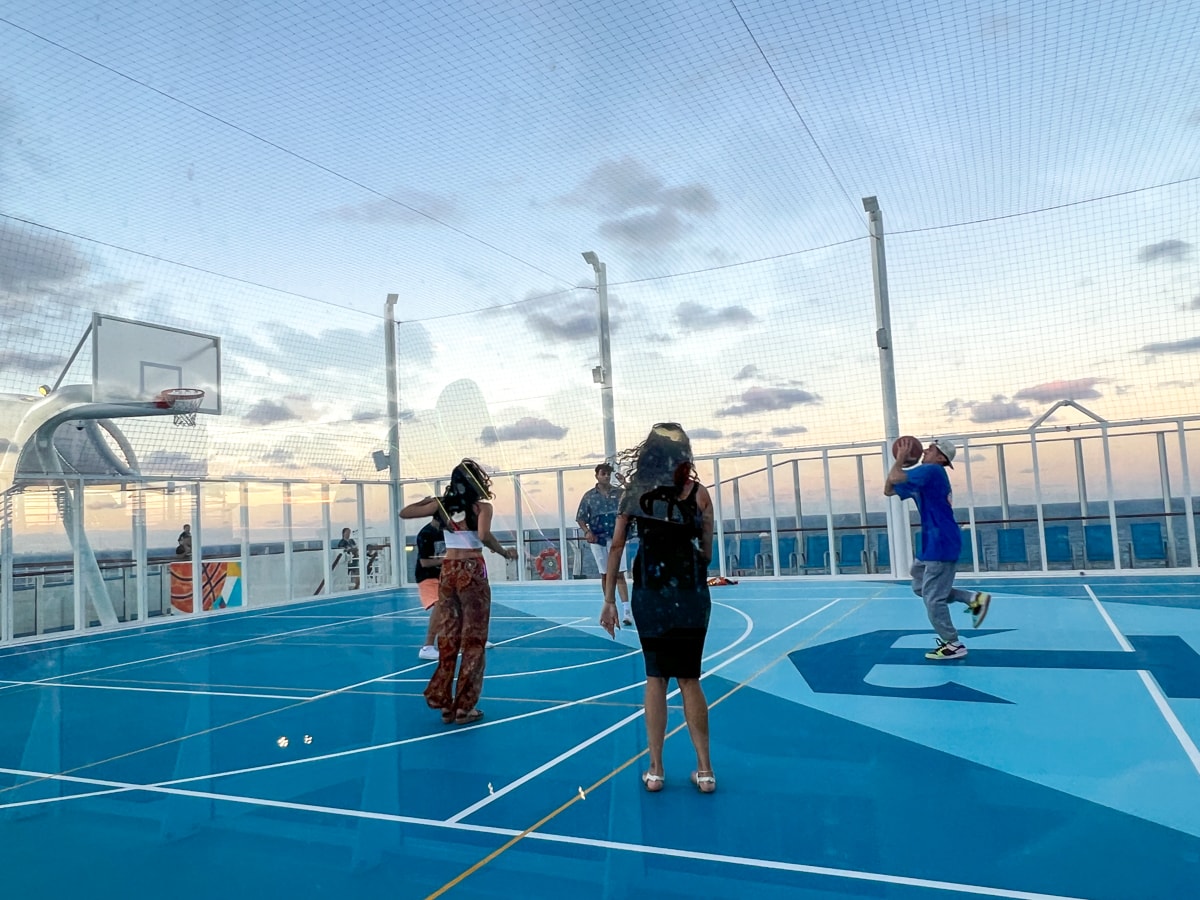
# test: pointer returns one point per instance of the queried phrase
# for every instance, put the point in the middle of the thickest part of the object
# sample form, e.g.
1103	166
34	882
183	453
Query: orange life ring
549	564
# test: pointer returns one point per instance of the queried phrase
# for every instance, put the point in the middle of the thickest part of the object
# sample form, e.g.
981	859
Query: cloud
787	430
268	412
1175	251
704	434
1195	304
174	462
761	399
746	372
644	214
1191	345
31	259
697	317
6	444
526	429
756	445
998	409
404	207
414	346
564	325
366	415
1052	391
563	317
279	456
616	188
652	230
29	362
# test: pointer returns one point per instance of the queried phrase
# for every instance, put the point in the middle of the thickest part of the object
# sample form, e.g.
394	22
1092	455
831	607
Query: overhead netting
270	172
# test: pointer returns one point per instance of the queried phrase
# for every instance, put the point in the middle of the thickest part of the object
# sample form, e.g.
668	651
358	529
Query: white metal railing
1093	495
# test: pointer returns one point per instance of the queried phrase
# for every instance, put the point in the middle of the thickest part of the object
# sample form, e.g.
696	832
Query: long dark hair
468	485
663	458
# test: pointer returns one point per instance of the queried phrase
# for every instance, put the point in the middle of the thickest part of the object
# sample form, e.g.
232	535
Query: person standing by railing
464	594
596	517
183	543
347	548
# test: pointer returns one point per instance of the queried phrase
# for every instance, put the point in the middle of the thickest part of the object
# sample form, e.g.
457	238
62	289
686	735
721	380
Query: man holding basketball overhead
920	475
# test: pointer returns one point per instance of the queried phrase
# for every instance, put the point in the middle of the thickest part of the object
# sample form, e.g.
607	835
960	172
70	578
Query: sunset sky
269	172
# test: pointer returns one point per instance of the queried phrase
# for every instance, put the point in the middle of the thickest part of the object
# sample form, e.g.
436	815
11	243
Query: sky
270	172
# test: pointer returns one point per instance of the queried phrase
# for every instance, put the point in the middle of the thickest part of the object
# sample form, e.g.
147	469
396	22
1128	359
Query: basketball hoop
184	402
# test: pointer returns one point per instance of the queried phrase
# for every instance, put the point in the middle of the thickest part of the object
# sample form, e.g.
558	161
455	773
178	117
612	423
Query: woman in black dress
671	605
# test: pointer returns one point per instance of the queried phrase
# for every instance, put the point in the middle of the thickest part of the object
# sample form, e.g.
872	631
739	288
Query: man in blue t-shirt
933	571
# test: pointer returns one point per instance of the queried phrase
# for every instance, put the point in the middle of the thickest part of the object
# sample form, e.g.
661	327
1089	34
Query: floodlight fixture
870	204
602	374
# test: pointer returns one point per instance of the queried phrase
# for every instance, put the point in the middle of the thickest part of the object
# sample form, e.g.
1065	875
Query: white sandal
705	782
654	783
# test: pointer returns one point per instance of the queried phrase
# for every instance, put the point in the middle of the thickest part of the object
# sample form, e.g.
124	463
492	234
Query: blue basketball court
288	753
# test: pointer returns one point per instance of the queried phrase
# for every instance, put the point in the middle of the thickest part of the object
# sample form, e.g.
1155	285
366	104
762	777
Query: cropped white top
462	540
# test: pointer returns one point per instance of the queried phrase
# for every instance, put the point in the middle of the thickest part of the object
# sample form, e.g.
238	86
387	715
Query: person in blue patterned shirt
597	516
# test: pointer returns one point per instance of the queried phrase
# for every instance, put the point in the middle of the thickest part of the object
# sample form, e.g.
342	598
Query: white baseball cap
947	449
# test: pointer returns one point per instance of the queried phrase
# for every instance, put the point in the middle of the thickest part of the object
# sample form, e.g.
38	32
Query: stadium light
605	379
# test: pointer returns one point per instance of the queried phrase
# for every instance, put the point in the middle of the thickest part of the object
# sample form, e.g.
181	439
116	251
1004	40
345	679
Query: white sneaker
428	652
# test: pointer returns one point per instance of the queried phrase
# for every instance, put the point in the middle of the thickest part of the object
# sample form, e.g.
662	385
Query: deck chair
964	553
789	557
881	557
853	552
749	556
1010	547
1147	543
1058	545
1097	544
816	552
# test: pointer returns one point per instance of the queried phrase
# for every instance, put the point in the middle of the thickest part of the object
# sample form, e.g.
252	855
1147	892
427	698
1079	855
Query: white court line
150	626
51	679
276	617
491	677
597	662
1156	693
648	849
567	754
379	678
405	741
491	723
154	690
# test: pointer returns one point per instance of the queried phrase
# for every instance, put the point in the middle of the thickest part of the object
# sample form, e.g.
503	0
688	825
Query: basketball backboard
133	361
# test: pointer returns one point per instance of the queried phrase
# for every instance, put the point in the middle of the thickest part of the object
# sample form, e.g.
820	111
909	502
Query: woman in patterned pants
464	595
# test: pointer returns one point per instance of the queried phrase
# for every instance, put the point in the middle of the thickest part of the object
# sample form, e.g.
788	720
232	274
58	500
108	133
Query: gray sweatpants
933	582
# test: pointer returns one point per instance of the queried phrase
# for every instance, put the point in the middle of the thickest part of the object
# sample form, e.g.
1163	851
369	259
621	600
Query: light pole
603	373
901	548
399	568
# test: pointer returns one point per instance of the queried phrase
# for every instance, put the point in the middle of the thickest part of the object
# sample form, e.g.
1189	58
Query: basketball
907	449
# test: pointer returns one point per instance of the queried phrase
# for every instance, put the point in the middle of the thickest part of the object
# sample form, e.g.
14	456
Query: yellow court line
513	841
